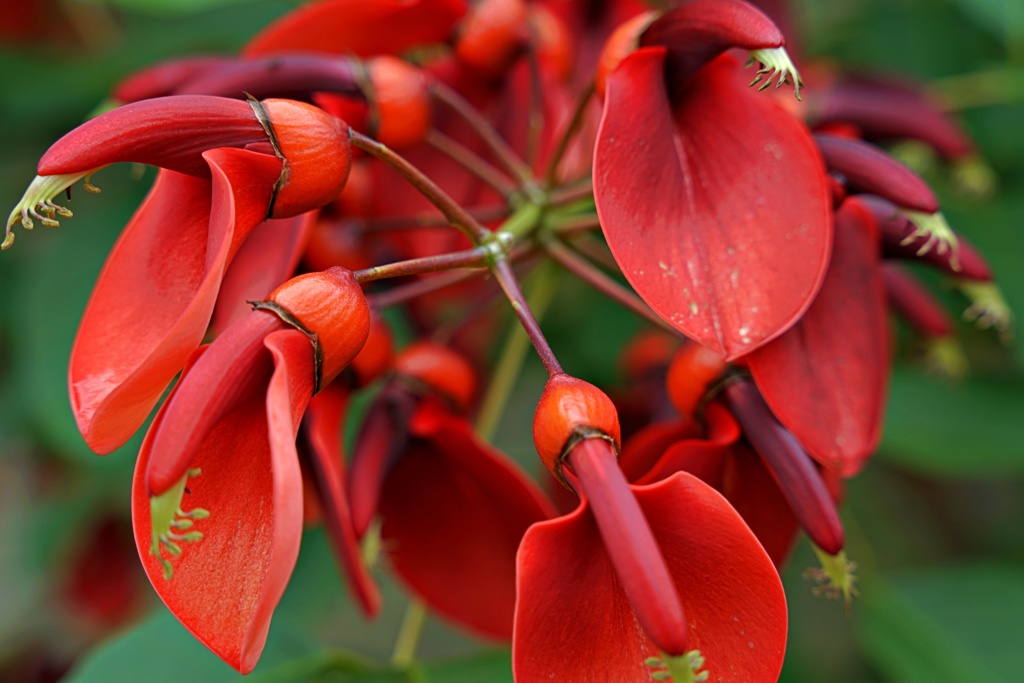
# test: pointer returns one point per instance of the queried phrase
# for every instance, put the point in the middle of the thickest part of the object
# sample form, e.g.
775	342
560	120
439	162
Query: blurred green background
936	522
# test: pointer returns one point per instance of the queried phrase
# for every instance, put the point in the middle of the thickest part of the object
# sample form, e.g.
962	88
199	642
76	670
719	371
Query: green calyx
168	520
686	668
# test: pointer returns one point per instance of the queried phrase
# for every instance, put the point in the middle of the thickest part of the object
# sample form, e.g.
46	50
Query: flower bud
694	368
491	36
399	100
441	370
569	411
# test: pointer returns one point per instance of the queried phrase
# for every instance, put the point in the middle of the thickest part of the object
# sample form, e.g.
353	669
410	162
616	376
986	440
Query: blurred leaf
171	7
492	667
971	428
1002	17
945	625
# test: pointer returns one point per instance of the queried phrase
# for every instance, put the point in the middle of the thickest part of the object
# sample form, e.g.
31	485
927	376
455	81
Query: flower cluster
362	157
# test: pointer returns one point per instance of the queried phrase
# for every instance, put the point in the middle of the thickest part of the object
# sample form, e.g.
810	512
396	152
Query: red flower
225	439
228	166
638	578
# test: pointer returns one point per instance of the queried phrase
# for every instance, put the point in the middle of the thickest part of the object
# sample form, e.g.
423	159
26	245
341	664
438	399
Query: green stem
404	654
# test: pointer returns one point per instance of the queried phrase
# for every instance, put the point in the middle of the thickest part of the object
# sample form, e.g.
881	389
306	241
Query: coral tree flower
217	493
639	582
452	508
226	166
712	197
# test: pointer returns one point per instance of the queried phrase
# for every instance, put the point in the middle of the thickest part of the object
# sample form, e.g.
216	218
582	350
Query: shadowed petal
716	211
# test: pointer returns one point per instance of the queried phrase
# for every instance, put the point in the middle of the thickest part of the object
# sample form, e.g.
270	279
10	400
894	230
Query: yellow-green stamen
939	235
37	204
988	307
835	578
775	64
685	668
167	519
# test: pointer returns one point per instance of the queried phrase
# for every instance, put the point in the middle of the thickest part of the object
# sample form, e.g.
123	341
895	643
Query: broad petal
703	457
573	622
454	511
267	258
360	27
225	586
153	299
825	379
717	212
642	450
322	426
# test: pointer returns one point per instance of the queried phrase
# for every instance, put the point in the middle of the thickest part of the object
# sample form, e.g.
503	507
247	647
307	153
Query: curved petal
704	458
826	378
360	27
267	258
717	210
322	426
454	511
568	594
160	283
225	586
642	450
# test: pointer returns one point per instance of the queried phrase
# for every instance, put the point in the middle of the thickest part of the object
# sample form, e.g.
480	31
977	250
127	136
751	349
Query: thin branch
472	162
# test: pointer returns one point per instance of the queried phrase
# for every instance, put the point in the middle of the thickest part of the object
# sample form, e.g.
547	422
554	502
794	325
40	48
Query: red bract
826	378
452	508
142	321
639	581
712	197
226	440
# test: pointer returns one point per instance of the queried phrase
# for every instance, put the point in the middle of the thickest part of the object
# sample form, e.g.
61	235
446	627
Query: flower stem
505	155
409	633
477	257
427	285
507	279
551	175
453	211
427	219
503	378
472	162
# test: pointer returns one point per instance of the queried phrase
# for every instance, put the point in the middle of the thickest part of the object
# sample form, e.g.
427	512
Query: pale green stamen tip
936	230
988	308
835	578
775	64
685	668
167	518
37	204
945	356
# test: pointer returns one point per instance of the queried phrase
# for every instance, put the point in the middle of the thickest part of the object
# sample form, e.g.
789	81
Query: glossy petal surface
573	622
716	210
825	379
153	299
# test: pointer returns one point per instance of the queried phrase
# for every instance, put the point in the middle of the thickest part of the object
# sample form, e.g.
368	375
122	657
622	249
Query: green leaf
493	667
172	7
972	428
1001	17
948	625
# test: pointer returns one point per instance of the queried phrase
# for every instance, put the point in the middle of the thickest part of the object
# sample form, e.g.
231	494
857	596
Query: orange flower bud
569	410
400	102
441	370
317	152
491	36
331	308
694	368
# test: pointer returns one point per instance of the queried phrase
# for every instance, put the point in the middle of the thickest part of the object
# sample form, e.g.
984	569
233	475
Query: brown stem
476	257
597	279
428	285
551	175
457	216
505	155
428	219
510	285
577	224
471	161
535	120
566	194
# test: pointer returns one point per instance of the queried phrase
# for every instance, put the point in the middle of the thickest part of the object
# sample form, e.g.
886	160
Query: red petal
323	424
226	585
267	258
702	457
641	451
454	511
165	77
360	27
825	379
154	297
573	622
718	212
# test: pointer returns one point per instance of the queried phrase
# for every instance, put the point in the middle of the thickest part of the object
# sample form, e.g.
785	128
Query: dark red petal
697	31
717	213
866	168
702	457
169	132
641	451
912	301
293	76
225	586
142	321
165	77
826	378
323	426
360	27
266	259
454	511
573	622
